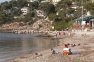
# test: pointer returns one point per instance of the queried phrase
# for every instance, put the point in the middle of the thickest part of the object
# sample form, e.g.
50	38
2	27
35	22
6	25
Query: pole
82	15
82	10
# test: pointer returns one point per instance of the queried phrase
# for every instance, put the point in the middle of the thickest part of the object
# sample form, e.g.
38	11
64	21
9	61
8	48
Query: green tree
59	25
5	6
3	18
33	5
22	3
52	16
31	14
13	3
62	14
90	7
16	12
47	8
29	17
63	4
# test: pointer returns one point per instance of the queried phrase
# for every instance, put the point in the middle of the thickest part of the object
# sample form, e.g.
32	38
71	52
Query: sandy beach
84	51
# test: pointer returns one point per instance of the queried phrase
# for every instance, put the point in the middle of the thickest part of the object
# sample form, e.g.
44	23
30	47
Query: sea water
16	45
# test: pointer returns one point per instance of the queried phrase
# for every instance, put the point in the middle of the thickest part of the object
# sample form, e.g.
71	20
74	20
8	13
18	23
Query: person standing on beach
56	34
59	33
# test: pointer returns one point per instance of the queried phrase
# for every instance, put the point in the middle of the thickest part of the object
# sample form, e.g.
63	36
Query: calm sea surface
16	45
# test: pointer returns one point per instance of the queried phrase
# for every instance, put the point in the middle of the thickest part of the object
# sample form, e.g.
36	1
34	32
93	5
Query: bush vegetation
61	14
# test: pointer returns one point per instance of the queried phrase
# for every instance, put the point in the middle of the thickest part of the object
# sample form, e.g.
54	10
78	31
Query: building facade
25	10
55	1
85	22
40	13
32	0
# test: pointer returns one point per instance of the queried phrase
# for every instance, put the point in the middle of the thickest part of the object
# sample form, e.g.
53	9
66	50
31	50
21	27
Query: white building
25	10
92	1
55	1
88	12
40	13
74	6
44	1
32	0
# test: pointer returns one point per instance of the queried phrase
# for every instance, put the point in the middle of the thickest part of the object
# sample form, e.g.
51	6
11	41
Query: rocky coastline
39	27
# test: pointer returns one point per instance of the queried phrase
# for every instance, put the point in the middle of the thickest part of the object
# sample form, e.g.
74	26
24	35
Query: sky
3	0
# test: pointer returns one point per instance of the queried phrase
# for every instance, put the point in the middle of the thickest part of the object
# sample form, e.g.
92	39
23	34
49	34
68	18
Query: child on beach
67	50
53	51
38	54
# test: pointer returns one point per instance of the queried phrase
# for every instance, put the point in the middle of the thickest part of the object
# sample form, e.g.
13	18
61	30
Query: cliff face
42	25
21	27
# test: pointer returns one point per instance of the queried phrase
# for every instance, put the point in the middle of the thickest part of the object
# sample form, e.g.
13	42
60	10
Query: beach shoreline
85	52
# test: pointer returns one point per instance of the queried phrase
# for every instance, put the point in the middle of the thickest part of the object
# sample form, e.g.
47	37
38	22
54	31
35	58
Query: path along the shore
85	51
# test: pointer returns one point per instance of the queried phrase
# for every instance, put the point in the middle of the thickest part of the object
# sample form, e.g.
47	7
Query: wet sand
85	51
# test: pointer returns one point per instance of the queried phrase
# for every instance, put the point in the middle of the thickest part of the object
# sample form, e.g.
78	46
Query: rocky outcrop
39	26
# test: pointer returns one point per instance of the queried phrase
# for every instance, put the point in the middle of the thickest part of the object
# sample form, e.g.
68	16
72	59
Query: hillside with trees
62	14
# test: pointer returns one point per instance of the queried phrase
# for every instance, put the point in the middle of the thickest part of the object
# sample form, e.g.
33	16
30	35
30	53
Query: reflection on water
16	45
